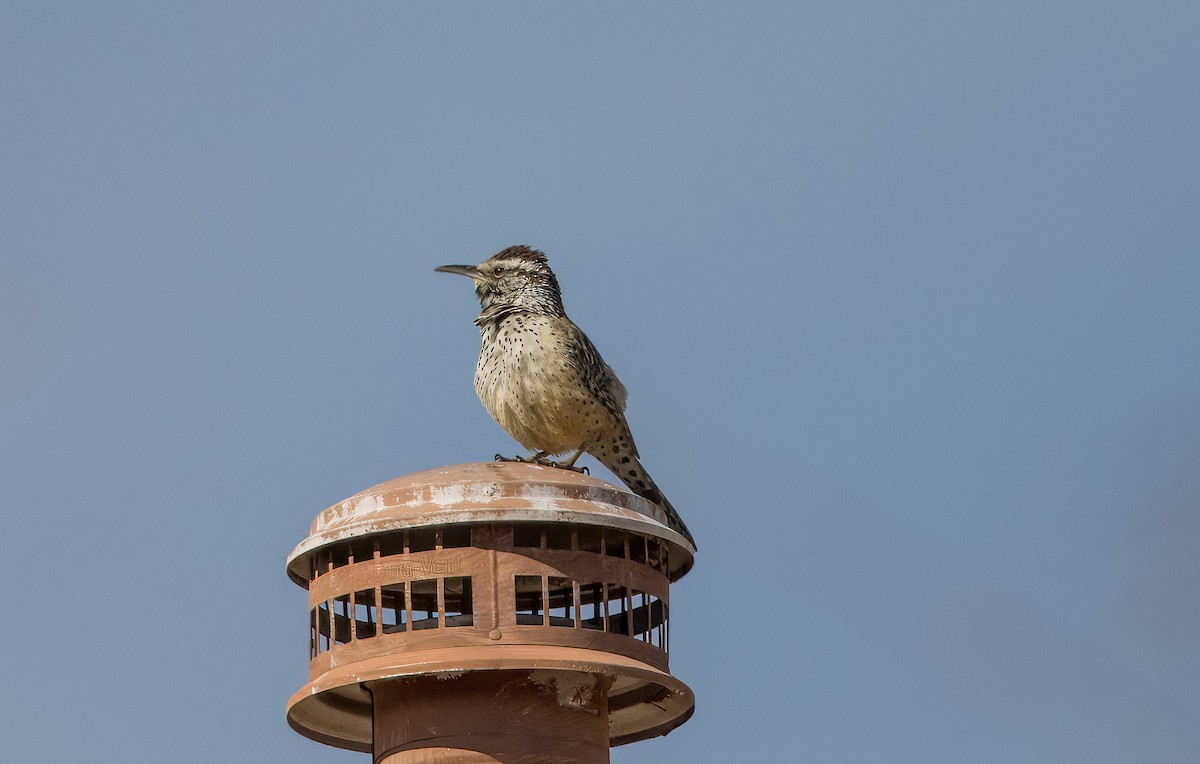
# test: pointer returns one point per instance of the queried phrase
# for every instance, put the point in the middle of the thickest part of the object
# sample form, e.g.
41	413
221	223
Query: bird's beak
469	271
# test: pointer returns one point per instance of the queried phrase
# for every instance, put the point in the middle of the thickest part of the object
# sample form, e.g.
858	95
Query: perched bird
543	380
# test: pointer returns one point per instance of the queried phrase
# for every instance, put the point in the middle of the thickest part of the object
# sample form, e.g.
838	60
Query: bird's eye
499	272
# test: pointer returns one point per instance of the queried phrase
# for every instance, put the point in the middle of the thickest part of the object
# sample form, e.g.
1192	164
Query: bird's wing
596	375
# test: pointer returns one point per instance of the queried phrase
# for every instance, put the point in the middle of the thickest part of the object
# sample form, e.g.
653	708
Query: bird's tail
675	520
634	475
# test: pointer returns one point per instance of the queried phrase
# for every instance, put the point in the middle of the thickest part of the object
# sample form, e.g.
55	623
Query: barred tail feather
676	521
634	475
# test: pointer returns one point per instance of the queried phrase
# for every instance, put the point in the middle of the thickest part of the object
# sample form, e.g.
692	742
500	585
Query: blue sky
905	296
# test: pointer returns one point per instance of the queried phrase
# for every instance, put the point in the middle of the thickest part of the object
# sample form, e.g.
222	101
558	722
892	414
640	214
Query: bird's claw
534	459
563	466
543	461
571	467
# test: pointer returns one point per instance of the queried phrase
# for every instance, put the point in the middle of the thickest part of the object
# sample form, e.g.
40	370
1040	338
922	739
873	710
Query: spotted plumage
543	380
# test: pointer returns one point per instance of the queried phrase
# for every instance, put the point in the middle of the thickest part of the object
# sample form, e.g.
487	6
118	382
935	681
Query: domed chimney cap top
484	492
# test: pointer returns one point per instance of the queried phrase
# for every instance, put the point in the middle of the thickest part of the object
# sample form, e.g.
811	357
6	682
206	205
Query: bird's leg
569	464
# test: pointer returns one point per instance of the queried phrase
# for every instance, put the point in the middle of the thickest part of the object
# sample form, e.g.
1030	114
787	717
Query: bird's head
513	278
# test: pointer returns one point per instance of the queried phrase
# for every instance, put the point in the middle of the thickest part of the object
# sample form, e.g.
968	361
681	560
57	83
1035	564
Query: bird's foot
540	459
535	458
565	466
503	458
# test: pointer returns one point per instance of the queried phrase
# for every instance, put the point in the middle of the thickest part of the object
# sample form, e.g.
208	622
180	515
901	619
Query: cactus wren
543	380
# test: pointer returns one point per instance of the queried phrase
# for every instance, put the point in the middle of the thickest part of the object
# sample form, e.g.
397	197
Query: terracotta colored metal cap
436	586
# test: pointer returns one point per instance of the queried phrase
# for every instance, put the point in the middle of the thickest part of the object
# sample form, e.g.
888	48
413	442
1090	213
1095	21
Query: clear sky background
905	296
